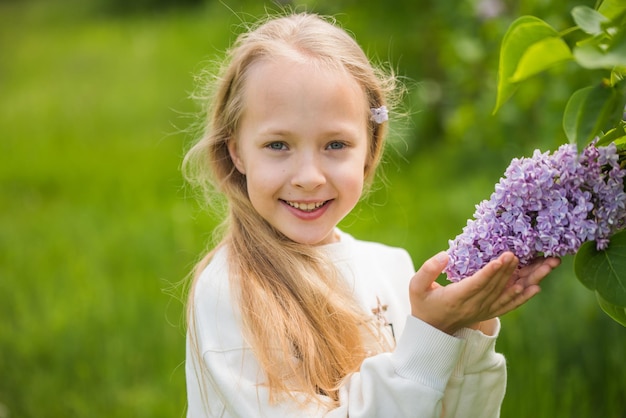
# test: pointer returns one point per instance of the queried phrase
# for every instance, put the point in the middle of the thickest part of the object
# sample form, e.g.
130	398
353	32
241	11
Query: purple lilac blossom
544	206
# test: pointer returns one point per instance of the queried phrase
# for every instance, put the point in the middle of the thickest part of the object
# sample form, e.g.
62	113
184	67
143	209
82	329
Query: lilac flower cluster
547	205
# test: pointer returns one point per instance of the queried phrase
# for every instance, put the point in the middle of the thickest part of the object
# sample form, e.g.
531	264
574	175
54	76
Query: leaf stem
567	31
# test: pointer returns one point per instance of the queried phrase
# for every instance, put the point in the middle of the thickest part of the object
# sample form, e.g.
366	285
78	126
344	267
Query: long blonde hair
293	304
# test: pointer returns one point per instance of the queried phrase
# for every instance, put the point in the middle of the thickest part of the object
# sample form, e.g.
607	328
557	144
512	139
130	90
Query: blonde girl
289	316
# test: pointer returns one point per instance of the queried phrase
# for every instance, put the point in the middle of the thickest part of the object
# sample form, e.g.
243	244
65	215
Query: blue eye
336	145
277	146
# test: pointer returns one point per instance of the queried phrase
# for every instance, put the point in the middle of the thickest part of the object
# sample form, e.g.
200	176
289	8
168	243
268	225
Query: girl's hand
496	289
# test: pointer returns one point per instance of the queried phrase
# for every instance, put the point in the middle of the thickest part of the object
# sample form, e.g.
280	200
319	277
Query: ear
234	156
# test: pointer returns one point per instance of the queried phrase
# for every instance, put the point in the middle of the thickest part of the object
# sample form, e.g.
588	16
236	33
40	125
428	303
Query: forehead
292	84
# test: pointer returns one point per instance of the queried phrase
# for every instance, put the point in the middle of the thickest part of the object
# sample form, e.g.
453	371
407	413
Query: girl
291	317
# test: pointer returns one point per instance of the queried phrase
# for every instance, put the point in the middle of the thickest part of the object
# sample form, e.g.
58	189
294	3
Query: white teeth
305	206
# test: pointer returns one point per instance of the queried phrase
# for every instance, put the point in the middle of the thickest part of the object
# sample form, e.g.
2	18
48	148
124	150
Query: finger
527	275
535	272
515	297
510	264
493	278
525	287
502	280
553	262
428	272
485	287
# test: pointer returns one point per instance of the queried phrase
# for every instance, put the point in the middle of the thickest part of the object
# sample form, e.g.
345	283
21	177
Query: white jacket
429	374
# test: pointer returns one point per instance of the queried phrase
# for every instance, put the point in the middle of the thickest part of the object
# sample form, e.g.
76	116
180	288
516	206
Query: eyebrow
275	132
326	133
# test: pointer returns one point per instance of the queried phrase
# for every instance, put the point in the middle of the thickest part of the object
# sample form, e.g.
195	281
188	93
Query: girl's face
302	144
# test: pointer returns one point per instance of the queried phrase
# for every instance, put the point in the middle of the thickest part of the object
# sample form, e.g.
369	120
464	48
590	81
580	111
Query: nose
308	173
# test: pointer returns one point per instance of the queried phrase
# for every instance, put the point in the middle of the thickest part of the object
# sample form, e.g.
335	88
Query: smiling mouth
306	207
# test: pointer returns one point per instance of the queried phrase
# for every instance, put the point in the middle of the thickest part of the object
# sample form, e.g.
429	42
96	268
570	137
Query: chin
317	239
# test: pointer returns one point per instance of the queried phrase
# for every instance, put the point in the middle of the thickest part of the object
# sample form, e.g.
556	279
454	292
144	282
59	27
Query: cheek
262	184
352	179
357	183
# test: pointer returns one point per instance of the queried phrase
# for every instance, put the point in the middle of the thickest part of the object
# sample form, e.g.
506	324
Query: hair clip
379	114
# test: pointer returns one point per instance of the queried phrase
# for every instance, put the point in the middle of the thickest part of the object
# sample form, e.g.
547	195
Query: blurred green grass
97	229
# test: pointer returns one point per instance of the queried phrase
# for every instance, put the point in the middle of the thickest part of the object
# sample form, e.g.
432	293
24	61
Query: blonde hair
293	304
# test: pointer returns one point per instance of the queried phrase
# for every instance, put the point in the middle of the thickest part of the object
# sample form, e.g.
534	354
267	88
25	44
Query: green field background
98	231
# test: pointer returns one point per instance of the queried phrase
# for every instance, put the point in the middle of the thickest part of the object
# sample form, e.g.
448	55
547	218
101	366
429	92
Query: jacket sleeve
432	375
478	382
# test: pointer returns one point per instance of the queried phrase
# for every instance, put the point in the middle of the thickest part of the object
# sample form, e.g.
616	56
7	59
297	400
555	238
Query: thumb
428	273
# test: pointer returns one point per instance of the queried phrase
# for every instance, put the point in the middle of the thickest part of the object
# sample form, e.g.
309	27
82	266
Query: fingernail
442	257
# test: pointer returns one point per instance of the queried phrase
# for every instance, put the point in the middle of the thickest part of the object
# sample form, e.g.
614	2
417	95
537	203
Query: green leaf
521	34
589	20
604	271
593	55
591	109
612	8
621	143
616	134
617	313
572	114
617	75
540	56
